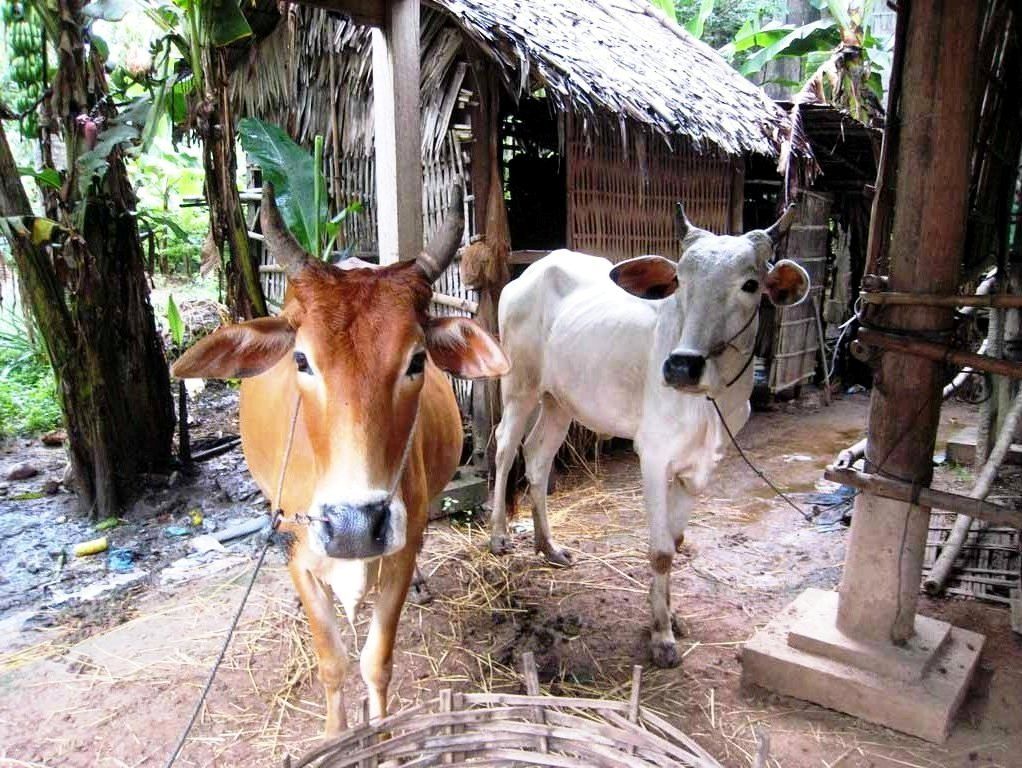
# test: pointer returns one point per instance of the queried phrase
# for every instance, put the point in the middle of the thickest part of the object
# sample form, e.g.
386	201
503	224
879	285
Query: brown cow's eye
302	362
750	286
417	364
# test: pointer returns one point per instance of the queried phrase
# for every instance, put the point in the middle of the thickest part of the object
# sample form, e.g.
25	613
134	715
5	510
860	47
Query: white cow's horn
440	251
681	223
285	250
779	228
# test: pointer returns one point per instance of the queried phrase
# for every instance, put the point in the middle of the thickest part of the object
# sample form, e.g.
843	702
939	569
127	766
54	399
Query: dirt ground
114	686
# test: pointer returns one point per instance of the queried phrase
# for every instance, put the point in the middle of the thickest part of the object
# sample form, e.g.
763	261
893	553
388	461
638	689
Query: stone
916	689
22	471
54	439
466	491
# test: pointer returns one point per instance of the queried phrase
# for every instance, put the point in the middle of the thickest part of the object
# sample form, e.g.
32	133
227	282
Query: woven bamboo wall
621	197
796	345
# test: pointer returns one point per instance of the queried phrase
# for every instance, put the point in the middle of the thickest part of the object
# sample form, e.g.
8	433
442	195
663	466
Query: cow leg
328	644
509	436
377	660
540	448
658	497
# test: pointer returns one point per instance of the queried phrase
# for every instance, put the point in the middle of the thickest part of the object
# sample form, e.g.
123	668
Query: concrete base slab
817	633
961	448
915	691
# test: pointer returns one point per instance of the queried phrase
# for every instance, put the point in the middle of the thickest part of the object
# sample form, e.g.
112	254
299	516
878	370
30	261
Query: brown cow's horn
779	228
441	249
282	244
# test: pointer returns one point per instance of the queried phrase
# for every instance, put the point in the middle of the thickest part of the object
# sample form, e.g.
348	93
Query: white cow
637	363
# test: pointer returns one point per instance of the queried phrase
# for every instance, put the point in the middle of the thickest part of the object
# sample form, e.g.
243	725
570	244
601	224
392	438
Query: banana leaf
292	172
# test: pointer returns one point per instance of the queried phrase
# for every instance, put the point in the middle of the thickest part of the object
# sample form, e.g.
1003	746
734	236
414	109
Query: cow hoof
500	544
665	654
559	557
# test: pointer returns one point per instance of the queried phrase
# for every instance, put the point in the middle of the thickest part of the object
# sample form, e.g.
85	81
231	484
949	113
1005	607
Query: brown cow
354	363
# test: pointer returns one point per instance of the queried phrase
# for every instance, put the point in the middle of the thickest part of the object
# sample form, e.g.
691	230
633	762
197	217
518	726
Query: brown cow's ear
786	283
237	351
648	277
461	347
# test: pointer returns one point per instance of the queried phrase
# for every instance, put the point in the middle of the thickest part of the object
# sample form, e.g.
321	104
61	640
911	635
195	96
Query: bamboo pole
939	353
902	298
956	539
889	488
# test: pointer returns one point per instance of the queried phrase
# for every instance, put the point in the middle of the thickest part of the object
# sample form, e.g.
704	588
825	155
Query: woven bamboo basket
496	729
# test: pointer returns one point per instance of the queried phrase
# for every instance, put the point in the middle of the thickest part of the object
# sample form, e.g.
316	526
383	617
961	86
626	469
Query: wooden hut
587	119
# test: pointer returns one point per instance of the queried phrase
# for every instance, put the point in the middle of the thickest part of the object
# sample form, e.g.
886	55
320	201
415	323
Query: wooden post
880	585
398	142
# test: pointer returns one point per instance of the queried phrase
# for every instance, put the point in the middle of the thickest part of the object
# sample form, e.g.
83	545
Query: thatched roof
601	60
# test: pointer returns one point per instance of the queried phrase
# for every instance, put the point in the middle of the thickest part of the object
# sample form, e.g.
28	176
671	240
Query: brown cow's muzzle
356	531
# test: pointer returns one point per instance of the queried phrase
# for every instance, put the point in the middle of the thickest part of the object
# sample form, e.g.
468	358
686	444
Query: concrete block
465	491
961	448
915	690
817	633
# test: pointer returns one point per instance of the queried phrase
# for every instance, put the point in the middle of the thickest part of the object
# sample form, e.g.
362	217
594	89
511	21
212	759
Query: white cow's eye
302	363
750	286
417	364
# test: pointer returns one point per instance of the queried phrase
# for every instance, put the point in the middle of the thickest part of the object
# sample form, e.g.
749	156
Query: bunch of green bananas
24	41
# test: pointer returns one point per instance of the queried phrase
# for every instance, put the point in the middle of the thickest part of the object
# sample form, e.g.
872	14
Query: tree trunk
216	126
90	300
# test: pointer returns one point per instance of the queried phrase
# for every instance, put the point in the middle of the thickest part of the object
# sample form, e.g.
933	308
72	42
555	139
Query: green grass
28	393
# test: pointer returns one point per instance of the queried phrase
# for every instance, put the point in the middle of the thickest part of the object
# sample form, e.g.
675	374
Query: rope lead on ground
753	467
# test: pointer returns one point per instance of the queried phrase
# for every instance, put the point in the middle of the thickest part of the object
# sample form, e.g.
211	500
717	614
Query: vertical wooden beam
880	585
398	141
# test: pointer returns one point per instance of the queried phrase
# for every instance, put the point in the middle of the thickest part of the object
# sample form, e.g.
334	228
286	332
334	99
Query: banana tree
197	32
846	59
82	271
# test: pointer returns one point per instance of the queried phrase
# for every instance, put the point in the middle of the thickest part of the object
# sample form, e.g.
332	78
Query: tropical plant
299	185
716	23
90	299
28	396
188	87
845	58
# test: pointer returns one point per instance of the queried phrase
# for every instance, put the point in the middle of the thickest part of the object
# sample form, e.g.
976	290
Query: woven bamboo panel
796	344
989	565
621	195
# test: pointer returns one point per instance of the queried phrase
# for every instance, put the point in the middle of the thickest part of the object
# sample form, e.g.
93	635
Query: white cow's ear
648	277
237	351
786	283
461	347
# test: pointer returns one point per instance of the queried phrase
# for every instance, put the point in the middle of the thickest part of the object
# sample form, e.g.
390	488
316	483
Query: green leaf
46	176
107	10
226	22
174	320
819	35
839	10
292	171
667	6
101	47
698	23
